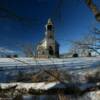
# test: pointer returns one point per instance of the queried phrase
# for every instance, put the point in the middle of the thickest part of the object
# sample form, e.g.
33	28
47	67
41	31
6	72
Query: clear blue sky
72	20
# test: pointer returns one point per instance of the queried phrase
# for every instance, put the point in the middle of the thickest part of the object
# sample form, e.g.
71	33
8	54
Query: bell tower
49	29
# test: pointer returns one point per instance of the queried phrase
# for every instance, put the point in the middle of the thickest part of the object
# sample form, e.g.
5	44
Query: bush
94	77
75	55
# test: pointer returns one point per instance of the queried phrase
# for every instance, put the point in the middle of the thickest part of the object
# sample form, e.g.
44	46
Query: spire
49	25
50	22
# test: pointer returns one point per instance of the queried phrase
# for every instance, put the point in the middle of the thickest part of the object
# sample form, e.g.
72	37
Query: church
48	47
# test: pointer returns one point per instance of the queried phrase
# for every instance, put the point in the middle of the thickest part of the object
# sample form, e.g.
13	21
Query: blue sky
72	20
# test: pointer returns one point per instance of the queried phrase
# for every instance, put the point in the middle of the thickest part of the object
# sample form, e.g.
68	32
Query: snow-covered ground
68	62
37	86
79	66
93	95
11	66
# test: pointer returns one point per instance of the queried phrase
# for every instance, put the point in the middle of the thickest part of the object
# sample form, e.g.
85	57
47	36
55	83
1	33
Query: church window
43	52
49	27
50	36
51	50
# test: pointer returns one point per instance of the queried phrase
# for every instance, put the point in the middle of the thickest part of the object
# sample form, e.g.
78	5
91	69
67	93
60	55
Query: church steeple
49	29
48	47
49	21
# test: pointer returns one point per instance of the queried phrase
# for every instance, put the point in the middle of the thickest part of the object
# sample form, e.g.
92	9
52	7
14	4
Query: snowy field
68	62
11	66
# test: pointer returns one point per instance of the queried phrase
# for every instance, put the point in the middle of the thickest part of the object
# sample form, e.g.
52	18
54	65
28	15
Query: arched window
43	52
49	27
51	50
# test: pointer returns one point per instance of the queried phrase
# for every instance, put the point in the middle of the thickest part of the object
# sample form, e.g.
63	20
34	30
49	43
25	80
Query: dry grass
51	76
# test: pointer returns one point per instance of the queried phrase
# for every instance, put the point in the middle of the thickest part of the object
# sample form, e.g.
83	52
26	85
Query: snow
68	62
46	85
41	85
9	67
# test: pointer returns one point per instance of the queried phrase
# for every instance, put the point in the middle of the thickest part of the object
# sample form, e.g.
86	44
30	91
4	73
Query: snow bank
41	85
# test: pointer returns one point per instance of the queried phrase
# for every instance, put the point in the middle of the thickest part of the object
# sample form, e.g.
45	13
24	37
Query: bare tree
84	46
94	9
28	50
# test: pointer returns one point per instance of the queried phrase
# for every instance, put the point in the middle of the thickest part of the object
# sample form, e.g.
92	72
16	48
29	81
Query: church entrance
51	51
